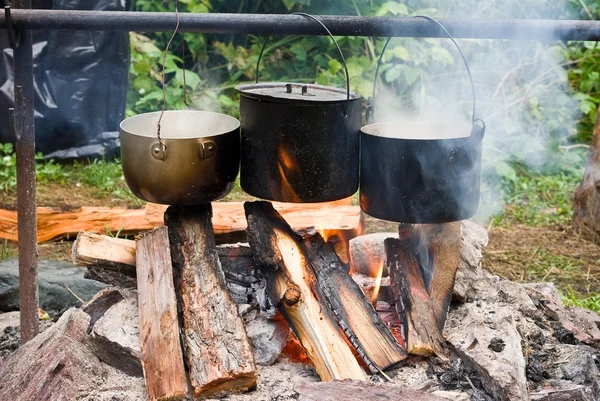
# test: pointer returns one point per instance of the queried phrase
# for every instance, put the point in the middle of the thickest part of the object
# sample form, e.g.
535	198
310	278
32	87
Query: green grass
570	298
105	177
5	252
536	199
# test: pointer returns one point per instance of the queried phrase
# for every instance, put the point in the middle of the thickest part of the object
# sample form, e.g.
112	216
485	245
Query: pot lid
282	92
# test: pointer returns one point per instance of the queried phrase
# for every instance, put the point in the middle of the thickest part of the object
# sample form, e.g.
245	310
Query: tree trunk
586	208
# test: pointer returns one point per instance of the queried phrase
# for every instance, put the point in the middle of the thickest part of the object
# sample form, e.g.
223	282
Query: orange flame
287	168
378	275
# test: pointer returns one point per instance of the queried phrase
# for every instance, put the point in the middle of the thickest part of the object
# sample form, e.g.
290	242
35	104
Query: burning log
422	264
162	359
217	351
292	286
353	312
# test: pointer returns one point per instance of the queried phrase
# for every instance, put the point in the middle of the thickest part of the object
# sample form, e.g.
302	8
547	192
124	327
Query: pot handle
334	42
478	125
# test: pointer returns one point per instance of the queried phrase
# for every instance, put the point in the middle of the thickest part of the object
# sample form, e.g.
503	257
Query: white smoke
522	90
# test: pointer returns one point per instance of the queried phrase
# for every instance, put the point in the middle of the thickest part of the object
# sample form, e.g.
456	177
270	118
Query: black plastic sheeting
80	86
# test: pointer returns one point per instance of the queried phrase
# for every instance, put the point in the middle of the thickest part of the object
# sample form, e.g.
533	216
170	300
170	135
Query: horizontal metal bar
533	29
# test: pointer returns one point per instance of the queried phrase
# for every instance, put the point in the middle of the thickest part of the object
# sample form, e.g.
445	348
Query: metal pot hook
478	125
14	35
336	45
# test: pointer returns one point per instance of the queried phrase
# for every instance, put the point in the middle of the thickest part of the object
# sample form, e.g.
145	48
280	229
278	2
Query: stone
368	250
54	365
54	278
563	391
583	323
576	364
452	395
470	329
9	319
58	365
267	337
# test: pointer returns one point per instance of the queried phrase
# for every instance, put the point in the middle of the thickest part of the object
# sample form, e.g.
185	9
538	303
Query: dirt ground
550	253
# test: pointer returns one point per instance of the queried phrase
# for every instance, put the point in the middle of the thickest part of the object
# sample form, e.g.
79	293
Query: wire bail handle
159	150
478	125
334	42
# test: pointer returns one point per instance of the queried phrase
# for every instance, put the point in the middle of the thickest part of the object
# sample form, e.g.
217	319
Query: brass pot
197	161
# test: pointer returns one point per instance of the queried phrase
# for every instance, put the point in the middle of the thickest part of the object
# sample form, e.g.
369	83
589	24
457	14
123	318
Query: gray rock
9	319
368	250
561	390
470	329
54	278
58	365
583	323
576	364
268	337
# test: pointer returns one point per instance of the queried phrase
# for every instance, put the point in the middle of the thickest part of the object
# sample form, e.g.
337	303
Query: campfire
329	297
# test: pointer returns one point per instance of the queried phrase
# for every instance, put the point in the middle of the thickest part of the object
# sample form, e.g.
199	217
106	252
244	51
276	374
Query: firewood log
217	351
293	288
162	358
351	309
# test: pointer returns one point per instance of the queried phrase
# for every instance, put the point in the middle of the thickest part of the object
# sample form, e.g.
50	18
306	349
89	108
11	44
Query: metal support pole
286	24
23	119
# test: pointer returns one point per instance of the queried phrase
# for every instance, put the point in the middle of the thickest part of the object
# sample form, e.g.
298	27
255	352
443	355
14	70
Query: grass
5	251
570	298
537	199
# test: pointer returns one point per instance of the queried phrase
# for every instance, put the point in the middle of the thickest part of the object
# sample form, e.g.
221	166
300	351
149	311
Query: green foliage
8	167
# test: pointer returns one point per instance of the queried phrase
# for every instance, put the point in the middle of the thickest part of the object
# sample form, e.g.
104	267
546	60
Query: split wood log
162	358
353	312
114	335
443	244
217	352
229	222
293	288
422	264
114	254
586	207
413	304
110	277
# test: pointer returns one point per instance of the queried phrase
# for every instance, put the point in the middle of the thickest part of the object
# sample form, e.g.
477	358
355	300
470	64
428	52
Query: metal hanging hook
14	35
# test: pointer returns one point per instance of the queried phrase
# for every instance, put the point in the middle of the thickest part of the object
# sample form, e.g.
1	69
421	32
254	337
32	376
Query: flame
287	168
378	275
340	241
369	264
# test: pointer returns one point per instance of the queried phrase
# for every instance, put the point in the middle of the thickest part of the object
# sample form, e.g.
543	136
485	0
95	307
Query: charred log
353	312
293	287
